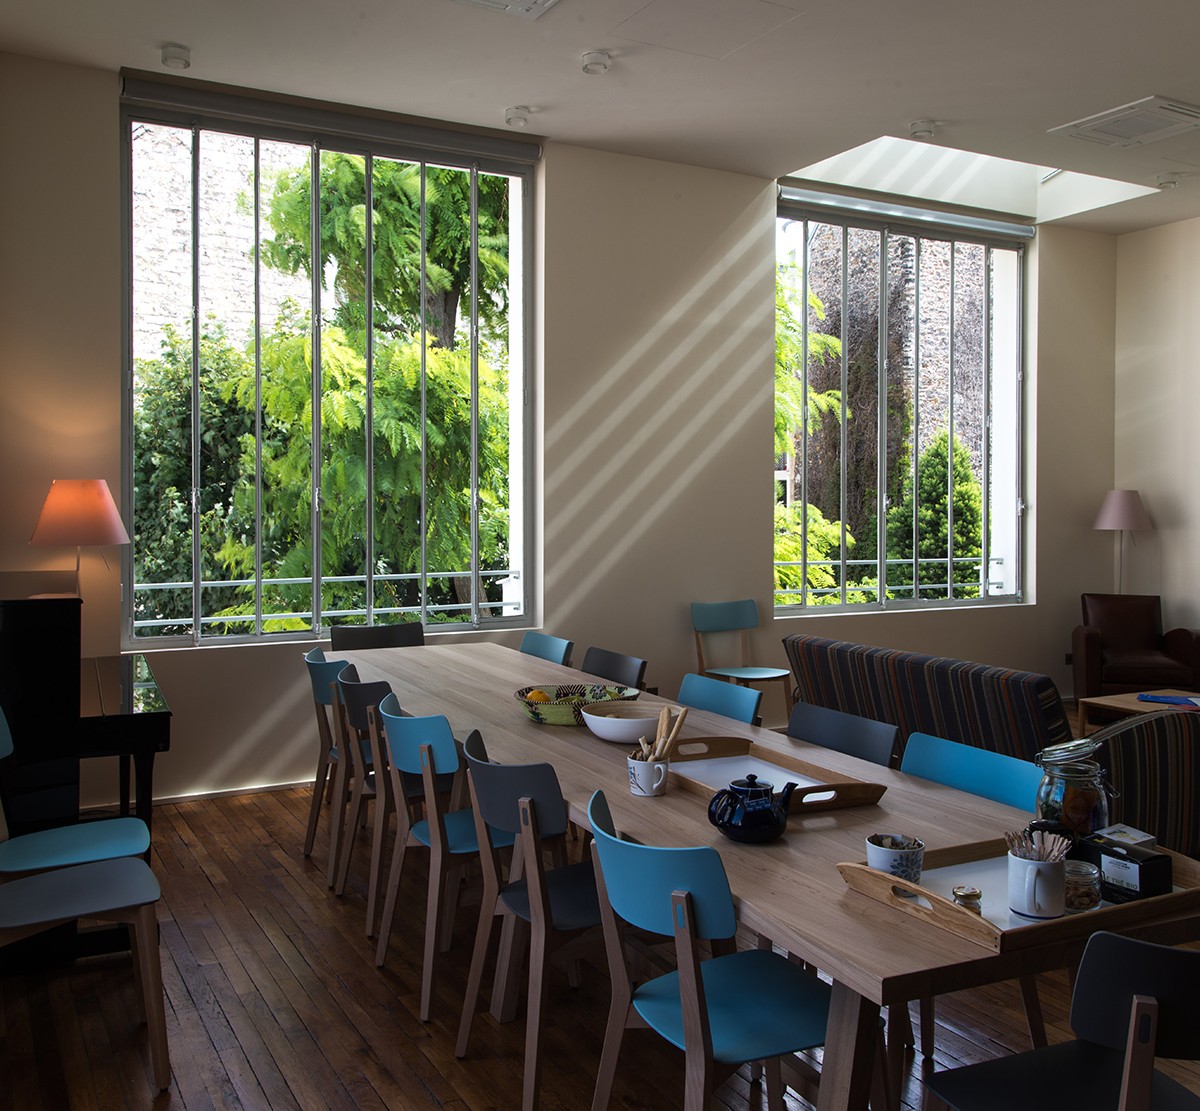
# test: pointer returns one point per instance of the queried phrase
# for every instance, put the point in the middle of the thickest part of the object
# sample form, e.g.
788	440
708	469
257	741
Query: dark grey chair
560	904
629	671
349	638
855	736
1133	1001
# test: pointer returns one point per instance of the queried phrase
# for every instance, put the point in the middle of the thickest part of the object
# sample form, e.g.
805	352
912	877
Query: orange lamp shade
79	513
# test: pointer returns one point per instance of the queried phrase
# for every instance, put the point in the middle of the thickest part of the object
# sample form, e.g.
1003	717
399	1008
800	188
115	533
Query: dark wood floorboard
274	1000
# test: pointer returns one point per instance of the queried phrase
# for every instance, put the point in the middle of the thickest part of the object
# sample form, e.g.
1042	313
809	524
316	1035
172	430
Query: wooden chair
558	904
59	846
712	619
554	649
990	775
1133	1001
629	671
123	890
769	1007
425	747
323	675
403	634
702	693
855	736
358	781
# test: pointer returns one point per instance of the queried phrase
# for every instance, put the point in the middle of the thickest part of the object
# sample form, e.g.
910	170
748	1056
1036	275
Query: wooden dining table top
789	890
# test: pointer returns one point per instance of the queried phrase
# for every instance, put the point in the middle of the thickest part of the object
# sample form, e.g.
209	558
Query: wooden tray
815	791
937	910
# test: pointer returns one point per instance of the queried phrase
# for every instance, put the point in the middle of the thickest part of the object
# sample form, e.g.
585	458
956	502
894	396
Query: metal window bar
985	538
194	422
881	419
951	430
808	234
258	398
476	584
423	585
316	384
369	419
918	356
844	383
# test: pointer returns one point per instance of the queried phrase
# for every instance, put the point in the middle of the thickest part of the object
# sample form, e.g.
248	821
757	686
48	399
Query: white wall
655	381
1158	410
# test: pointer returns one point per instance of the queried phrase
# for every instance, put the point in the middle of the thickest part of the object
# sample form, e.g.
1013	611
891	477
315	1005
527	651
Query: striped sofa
1017	713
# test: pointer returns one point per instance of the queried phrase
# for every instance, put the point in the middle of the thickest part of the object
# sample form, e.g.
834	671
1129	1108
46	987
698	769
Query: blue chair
322	673
1133	1001
425	747
723	1011
978	771
558	905
990	775
714	619
122	890
727	699
855	736
80	843
554	649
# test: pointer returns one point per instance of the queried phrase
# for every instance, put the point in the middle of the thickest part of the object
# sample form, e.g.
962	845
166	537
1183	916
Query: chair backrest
640	880
357	696
978	771
856	736
323	674
629	671
1114	969
1153	761
403	634
6	741
499	788
717	697
724	617
1125	621
554	649
404	737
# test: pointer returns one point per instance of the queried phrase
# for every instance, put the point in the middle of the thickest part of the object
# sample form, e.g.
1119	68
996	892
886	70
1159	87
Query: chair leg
388	918
356	812
337	820
383	811
433	924
774	1074
614	1034
535	1007
483	942
451	888
1033	1011
314	809
145	931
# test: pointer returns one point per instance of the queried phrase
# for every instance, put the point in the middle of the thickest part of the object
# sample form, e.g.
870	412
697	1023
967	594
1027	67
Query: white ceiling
745	85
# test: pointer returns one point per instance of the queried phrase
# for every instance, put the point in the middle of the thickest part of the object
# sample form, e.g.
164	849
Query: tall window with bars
898	414
327	368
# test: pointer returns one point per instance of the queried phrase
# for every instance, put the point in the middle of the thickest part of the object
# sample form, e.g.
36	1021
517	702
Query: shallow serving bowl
625	722
564	705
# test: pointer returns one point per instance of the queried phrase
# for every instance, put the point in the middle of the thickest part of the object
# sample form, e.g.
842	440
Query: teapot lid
751	783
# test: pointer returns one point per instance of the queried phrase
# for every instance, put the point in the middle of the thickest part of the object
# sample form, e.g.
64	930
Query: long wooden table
789	890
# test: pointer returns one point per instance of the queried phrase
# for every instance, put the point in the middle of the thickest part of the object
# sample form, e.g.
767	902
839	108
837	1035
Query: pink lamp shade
79	513
1123	511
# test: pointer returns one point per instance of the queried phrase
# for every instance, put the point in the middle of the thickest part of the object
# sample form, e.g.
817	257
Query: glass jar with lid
1073	791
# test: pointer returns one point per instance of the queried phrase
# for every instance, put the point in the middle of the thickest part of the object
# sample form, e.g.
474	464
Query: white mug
648	777
1037	888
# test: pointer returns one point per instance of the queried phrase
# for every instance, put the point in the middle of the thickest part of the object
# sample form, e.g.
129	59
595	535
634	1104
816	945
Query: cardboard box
1127	872
1127	835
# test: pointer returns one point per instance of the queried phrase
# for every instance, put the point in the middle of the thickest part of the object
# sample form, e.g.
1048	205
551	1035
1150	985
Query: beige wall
655	380
1158	401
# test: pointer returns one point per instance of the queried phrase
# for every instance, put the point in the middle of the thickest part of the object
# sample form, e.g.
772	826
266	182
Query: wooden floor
274	1001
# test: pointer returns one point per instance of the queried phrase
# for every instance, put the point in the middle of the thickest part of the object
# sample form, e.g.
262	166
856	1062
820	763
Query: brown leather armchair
1120	648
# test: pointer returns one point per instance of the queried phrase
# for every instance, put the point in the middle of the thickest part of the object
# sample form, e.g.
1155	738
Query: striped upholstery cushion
1017	713
1153	766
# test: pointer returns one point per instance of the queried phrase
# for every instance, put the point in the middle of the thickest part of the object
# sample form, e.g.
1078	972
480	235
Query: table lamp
1123	511
79	513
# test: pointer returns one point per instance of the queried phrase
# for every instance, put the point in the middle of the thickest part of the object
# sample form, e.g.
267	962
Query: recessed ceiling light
517	116
921	129
176	56
596	61
1167	181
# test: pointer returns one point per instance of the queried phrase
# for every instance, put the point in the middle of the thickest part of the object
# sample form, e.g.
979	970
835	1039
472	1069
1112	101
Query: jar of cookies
1073	791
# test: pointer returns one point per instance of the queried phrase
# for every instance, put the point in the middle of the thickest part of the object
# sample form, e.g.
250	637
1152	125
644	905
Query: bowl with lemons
564	704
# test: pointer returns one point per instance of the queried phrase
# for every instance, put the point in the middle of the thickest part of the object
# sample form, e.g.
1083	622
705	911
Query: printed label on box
1120	873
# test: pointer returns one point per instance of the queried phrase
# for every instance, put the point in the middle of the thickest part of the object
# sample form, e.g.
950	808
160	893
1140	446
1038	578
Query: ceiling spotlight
596	61
920	129
1167	181
517	116
175	56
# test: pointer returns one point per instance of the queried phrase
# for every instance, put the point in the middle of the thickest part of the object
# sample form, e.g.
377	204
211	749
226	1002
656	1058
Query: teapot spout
785	796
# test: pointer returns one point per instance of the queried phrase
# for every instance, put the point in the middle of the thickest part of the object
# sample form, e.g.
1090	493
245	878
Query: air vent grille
526	9
1132	125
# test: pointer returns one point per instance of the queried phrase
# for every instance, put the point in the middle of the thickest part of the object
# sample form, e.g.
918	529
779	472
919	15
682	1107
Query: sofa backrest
1017	713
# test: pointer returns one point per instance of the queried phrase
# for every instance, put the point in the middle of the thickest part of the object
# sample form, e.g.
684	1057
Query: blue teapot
749	810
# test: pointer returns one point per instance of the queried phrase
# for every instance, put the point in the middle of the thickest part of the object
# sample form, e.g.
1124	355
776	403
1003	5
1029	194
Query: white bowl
624	722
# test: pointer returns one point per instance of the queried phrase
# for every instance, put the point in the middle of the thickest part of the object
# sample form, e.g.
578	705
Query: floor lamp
1123	511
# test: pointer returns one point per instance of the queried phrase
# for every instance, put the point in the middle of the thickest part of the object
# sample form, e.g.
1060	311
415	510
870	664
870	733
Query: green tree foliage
396	201
941	459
